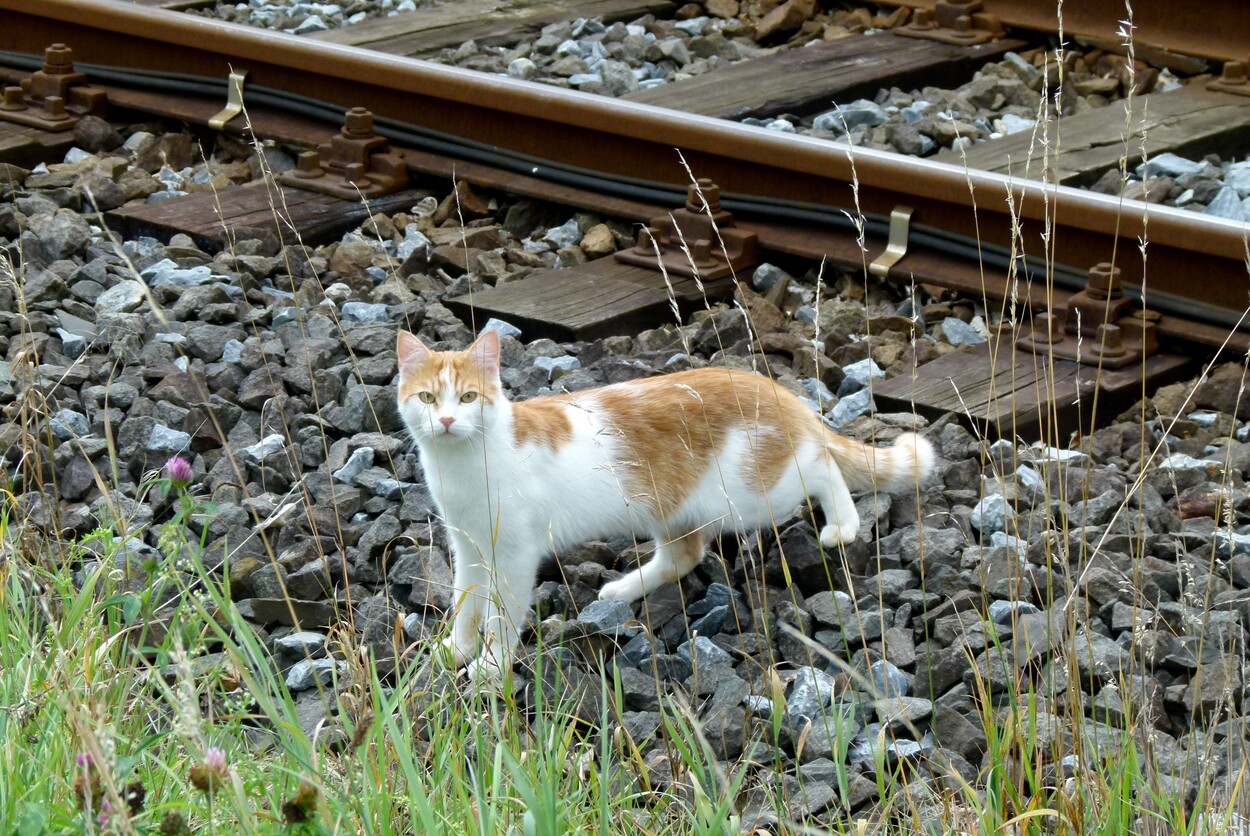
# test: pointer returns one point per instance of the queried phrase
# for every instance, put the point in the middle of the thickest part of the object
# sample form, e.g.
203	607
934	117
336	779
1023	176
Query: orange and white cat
676	458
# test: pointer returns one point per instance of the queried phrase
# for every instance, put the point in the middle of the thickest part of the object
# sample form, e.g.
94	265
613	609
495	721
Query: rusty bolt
14	99
58	59
308	165
1104	282
701	250
54	107
650	237
923	19
1045	328
1109	340
1235	72
358	122
710	192
645	237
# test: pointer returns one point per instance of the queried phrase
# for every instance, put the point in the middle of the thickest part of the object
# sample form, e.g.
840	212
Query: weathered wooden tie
213	218
1074	367
332	190
1189	121
596	299
489	22
811	79
1003	392
27	147
629	292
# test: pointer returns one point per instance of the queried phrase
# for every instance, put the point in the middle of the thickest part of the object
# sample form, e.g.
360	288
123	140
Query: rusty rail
626	139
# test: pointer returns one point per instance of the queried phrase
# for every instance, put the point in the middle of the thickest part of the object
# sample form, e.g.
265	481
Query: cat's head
447	397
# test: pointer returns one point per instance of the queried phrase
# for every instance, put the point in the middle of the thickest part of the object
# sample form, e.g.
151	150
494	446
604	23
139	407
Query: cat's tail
899	467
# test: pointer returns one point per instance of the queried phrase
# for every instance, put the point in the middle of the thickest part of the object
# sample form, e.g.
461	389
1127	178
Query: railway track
277	384
792	193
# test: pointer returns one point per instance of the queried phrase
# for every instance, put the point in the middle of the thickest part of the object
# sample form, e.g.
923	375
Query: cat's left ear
486	351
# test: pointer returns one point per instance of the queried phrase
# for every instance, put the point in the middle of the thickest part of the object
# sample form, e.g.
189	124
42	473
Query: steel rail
1188	255
1217	29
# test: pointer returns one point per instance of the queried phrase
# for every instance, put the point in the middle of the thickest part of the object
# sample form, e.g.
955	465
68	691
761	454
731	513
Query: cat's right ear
411	352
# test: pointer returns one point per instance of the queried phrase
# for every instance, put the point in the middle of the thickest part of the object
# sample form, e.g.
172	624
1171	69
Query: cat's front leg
470	593
514	571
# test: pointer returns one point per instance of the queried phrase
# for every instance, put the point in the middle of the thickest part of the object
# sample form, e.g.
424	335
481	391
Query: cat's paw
832	536
484	673
453	653
628	588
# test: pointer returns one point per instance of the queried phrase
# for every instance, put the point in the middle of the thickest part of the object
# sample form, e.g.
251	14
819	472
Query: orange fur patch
672	427
541	421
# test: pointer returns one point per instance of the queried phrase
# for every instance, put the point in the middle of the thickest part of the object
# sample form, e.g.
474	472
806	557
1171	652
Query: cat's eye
426	397
468	397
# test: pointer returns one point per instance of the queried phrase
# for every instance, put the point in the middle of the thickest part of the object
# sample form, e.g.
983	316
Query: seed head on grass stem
301	808
174	824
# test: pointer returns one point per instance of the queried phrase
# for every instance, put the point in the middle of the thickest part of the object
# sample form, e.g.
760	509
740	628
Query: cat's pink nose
447	421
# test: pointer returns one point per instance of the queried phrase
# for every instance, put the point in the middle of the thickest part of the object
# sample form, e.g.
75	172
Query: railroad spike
308	165
14	99
54	108
1109	341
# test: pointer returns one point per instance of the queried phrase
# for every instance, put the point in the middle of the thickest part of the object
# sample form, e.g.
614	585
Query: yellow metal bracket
234	100
900	224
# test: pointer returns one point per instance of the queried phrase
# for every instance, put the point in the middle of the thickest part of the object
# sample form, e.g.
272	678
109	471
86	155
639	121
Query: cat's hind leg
672	561
829	489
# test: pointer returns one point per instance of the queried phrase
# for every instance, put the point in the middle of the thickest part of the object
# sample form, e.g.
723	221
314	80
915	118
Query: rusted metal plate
811	79
1190	121
210	218
426	31
597	299
27	147
1004	393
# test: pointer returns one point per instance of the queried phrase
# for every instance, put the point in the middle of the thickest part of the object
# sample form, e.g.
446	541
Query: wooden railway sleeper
697	241
1099	325
55	97
356	163
959	22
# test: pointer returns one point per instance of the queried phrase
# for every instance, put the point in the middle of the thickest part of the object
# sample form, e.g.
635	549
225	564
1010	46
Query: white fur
506	506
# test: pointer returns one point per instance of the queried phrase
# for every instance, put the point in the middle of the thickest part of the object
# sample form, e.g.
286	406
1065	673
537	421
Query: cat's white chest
459	480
